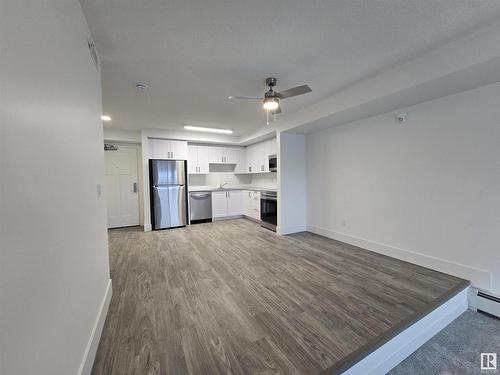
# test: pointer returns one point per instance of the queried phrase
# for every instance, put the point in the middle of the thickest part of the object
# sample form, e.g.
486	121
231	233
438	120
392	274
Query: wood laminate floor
234	298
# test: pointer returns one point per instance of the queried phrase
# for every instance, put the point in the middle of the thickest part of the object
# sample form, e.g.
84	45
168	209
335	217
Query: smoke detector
401	118
141	86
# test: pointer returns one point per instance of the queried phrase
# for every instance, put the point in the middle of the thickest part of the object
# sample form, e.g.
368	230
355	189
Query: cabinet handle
135	187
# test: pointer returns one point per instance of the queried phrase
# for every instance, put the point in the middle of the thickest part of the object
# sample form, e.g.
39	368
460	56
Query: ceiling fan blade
246	97
299	90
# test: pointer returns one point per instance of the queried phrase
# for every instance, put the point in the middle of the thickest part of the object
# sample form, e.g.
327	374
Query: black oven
269	209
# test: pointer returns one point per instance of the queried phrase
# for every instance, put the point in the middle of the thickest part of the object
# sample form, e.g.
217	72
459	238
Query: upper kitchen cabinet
226	155
198	159
257	156
167	149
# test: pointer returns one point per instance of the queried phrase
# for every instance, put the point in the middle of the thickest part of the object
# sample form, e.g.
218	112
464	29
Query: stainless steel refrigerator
168	193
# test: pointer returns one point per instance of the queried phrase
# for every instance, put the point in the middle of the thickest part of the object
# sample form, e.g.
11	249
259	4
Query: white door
235	203
219	204
122	186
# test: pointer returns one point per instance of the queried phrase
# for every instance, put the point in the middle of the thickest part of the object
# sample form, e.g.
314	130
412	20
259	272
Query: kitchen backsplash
267	180
220	174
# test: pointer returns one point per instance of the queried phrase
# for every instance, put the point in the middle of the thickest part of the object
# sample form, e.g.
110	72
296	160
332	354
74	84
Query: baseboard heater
484	301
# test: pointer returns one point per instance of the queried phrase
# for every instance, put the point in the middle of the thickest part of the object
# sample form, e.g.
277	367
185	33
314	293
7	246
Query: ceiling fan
271	99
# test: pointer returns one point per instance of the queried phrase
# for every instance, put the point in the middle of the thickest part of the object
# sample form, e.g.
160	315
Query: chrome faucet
221	186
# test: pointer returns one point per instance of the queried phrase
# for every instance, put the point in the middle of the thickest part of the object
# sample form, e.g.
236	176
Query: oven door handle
266	198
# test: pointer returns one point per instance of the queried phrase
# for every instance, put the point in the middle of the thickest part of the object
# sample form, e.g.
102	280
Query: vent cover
484	301
93	54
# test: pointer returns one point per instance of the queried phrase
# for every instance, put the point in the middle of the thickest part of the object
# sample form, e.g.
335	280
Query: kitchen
223	182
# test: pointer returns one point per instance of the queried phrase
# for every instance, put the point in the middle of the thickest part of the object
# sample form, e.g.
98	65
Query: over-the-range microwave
273	163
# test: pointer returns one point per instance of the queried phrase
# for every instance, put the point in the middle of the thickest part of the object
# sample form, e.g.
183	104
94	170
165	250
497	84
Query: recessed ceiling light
208	130
106	118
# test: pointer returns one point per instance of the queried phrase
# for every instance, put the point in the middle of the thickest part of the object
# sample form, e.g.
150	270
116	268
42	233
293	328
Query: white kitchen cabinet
251	201
251	158
257	156
178	149
272	147
227	155
239	158
219	204
197	159
216	154
227	203
167	149
235	203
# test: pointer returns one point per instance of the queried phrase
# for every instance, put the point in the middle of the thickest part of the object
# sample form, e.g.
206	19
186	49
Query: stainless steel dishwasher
200	206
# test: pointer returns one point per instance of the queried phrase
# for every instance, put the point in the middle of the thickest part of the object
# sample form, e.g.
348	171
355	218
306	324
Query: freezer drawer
169	206
201	207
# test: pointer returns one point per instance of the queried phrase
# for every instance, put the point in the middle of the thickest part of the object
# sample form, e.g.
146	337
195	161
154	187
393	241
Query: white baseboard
289	230
95	336
401	346
478	277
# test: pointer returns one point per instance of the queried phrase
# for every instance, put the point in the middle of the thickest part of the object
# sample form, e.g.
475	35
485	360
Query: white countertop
241	187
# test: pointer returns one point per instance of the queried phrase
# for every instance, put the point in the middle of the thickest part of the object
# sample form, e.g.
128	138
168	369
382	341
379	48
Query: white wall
54	260
267	180
427	192
291	183
121	135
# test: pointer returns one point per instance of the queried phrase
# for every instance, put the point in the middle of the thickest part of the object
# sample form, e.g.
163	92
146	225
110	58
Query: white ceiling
195	53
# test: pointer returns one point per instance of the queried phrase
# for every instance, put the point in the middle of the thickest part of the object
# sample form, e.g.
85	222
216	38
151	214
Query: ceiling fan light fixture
270	104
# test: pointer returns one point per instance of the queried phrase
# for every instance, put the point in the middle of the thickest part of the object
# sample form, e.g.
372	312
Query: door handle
135	187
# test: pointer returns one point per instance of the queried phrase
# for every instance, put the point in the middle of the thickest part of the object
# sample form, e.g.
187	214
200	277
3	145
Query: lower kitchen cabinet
252	204
227	203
